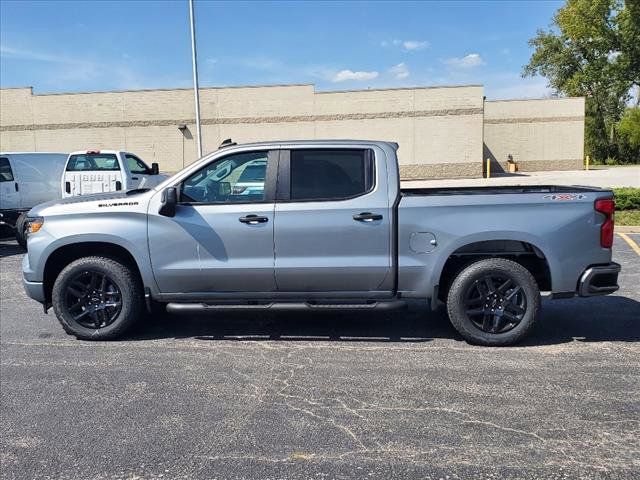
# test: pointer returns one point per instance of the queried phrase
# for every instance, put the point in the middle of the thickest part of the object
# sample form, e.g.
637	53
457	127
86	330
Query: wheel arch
528	250
65	254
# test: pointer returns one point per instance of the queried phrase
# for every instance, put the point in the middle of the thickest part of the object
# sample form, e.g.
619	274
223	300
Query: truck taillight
607	207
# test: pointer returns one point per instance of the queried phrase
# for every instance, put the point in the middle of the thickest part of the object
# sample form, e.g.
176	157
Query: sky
78	46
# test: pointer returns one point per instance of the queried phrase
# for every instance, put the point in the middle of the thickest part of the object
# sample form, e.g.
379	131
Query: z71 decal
564	196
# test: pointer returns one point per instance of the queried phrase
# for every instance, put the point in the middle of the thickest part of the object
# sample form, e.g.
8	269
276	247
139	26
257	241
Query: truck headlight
34	224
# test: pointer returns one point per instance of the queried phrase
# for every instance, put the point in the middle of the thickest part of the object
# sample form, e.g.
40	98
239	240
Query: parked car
331	230
101	171
27	179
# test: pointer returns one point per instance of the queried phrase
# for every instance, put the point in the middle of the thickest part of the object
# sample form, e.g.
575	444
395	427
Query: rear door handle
134	178
367	217
253	219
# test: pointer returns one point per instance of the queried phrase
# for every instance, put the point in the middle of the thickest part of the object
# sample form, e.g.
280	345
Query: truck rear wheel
494	302
97	298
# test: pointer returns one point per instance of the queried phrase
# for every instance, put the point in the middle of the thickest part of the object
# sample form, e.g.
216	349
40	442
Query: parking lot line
631	243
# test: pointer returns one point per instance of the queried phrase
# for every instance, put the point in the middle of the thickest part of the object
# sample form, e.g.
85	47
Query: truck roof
33	153
84	152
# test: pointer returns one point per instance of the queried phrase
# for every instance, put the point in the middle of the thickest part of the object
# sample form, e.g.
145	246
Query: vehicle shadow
9	248
603	319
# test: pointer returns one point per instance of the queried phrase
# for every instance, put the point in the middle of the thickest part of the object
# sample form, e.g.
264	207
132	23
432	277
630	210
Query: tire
85	311
21	234
501	316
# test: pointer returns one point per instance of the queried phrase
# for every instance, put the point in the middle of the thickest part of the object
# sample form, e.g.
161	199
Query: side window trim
283	193
269	181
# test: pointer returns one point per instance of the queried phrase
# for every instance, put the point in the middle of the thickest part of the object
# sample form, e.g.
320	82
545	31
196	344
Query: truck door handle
367	217
134	178
253	219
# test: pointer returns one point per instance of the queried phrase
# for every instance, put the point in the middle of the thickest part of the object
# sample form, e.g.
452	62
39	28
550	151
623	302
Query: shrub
627	198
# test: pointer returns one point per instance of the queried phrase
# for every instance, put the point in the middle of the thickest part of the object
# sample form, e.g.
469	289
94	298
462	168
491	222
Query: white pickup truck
102	171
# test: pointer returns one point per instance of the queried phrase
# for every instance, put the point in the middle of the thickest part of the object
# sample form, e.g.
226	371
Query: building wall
545	134
439	129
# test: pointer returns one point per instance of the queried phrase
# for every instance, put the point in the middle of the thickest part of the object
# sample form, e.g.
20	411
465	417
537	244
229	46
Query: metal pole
196	92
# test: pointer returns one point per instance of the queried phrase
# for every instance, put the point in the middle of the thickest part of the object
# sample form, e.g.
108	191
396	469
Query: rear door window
330	174
6	174
84	162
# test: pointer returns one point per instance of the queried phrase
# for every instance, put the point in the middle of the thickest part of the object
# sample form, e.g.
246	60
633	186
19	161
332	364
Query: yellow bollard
488	168
586	163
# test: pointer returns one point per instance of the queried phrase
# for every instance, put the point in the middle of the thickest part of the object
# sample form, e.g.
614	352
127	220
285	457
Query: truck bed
497	190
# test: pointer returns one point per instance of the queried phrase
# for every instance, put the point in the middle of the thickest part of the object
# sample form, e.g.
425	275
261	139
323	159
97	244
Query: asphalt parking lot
323	396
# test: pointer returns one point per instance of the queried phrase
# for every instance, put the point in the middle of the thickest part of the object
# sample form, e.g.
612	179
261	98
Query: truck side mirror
169	201
155	170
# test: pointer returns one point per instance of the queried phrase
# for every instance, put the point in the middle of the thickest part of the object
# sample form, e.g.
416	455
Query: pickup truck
329	229
101	171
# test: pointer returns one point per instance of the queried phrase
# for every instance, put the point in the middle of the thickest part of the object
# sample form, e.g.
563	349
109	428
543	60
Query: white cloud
399	71
80	73
468	61
412	45
407	45
344	75
20	54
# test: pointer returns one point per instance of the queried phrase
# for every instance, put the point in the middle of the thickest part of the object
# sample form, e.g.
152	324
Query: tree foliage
593	50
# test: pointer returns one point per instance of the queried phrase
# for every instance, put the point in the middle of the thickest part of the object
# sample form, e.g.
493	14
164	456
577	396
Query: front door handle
253	219
367	217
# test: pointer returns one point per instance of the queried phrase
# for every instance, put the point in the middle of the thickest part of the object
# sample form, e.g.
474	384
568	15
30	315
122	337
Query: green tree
628	130
592	50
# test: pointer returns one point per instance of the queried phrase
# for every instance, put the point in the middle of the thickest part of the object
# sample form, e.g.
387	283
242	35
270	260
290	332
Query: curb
627	228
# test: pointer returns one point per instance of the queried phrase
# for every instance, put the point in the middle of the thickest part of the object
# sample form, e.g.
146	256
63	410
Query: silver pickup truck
317	225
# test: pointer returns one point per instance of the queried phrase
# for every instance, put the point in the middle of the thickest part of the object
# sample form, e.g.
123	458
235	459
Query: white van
27	179
99	171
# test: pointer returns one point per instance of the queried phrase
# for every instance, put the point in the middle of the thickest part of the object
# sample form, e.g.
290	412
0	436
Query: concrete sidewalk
602	177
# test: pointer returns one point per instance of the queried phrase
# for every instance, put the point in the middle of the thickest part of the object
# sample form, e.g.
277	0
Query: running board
291	306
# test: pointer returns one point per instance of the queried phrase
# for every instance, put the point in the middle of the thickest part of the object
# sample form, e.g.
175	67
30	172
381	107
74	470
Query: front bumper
34	290
599	280
33	287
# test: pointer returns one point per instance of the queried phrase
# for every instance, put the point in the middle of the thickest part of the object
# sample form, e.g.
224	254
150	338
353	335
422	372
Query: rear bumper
599	280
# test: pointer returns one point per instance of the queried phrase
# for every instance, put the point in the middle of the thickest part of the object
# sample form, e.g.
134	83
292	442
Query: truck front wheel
494	302
97	298
21	230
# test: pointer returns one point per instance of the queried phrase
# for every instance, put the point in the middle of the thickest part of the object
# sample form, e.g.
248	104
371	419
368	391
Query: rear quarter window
93	162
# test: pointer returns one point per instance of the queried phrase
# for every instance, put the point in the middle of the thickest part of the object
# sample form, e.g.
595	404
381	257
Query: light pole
196	93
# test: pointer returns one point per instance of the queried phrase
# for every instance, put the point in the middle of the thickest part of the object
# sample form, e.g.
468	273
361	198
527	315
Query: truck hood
93	203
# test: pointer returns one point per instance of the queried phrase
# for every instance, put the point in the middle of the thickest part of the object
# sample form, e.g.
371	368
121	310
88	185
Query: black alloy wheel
93	299
495	303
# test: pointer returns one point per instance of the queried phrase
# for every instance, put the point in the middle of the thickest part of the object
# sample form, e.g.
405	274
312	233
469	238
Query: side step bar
284	306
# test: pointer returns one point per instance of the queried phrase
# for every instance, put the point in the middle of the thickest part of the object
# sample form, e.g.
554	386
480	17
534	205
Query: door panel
206	248
221	237
320	246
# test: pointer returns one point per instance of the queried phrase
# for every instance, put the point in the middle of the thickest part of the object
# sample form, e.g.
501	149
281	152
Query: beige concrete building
442	131
545	134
